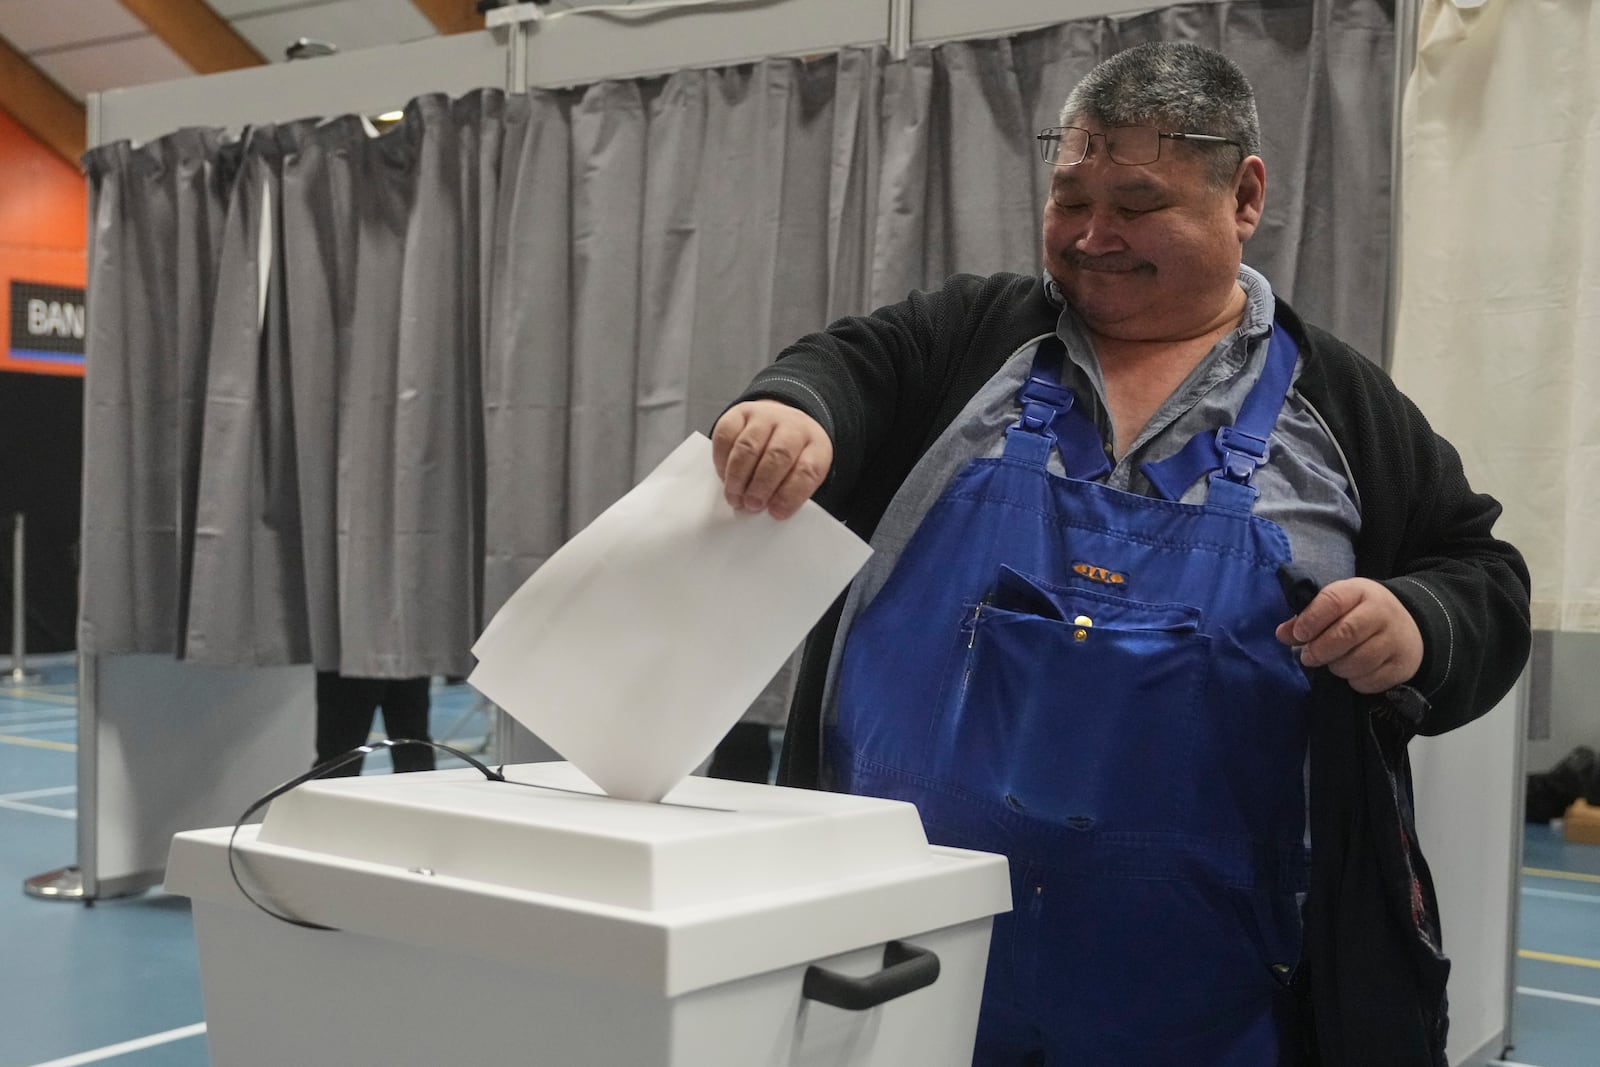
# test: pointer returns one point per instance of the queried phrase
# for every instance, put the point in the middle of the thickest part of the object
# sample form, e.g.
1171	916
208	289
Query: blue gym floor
118	983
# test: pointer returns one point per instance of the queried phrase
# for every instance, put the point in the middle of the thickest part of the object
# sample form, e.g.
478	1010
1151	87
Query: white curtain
1498	336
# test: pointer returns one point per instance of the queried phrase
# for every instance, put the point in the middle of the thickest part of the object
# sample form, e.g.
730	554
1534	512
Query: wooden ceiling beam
451	16
40	106
201	37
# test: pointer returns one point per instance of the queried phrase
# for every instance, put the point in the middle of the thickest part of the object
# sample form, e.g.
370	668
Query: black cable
319	771
323	769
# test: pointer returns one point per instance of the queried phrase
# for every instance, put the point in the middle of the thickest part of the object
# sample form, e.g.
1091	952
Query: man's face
1150	252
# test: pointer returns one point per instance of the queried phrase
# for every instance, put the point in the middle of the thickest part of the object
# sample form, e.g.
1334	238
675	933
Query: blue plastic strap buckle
1232	495
1041	402
1241	454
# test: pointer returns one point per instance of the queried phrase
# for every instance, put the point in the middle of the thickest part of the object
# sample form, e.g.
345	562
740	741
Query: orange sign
43	233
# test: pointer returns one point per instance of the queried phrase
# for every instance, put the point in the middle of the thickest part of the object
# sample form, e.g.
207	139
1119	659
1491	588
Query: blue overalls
1087	681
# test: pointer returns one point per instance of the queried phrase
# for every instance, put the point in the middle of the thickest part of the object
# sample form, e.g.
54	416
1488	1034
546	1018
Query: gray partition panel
178	747
933	21
581	47
369	82
1564	697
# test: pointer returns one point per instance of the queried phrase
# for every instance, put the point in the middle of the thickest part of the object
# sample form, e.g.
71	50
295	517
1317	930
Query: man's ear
1249	195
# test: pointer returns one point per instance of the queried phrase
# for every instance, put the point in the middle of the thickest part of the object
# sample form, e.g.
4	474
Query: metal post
19	674
899	28
1519	804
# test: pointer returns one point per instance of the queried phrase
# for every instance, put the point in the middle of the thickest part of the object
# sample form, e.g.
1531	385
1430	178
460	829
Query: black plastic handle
906	969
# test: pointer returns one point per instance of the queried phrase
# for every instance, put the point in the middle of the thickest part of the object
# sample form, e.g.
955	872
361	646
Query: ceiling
55	52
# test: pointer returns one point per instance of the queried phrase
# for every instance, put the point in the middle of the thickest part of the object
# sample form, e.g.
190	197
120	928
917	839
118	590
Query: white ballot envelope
636	647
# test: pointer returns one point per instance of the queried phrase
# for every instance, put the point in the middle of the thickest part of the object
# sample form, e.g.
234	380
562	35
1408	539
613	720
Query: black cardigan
886	385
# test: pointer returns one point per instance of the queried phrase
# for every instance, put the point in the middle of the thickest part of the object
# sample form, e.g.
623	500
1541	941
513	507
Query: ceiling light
309	48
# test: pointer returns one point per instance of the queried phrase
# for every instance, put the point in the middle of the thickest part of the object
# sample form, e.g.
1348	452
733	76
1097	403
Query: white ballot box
731	925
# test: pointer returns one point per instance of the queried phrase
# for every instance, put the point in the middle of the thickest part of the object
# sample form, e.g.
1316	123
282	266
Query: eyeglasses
1131	146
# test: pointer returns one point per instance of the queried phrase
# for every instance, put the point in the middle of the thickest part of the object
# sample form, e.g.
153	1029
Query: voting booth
539	921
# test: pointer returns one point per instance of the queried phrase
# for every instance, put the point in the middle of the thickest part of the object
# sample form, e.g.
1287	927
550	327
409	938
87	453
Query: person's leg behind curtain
344	717
744	755
405	715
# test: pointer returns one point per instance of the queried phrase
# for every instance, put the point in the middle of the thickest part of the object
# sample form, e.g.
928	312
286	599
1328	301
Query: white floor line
38	809
12	718
34	711
96	1055
1556	894
1509	1063
36	696
34	794
42	727
1551	994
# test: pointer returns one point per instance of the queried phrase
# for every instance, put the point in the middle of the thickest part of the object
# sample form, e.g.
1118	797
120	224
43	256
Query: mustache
1111	264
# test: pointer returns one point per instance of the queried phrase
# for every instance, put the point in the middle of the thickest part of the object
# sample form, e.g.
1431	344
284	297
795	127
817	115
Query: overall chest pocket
1075	706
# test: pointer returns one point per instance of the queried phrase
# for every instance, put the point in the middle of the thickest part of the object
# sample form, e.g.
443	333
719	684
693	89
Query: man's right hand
770	456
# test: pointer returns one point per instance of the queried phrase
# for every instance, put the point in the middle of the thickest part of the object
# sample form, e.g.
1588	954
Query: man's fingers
1371	666
744	457
1360	632
804	477
1333	603
1356	662
1341	637
778	460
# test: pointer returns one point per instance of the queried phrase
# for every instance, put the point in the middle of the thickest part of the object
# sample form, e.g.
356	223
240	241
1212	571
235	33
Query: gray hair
1179	86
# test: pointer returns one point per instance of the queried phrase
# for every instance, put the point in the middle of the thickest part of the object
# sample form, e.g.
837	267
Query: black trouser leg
405	714
344	716
745	755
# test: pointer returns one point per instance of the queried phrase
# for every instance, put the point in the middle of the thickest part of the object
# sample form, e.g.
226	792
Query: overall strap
1231	454
1050	414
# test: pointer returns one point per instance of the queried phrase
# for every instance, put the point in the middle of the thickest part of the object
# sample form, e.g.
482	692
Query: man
1073	645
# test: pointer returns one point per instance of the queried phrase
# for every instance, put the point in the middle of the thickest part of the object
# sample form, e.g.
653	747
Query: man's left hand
1361	632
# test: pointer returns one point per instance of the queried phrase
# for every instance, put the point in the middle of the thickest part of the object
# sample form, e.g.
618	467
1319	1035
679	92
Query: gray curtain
483	326
156	227
245	602
382	244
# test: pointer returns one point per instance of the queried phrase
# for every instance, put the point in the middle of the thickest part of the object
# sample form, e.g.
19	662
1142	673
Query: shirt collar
1259	302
